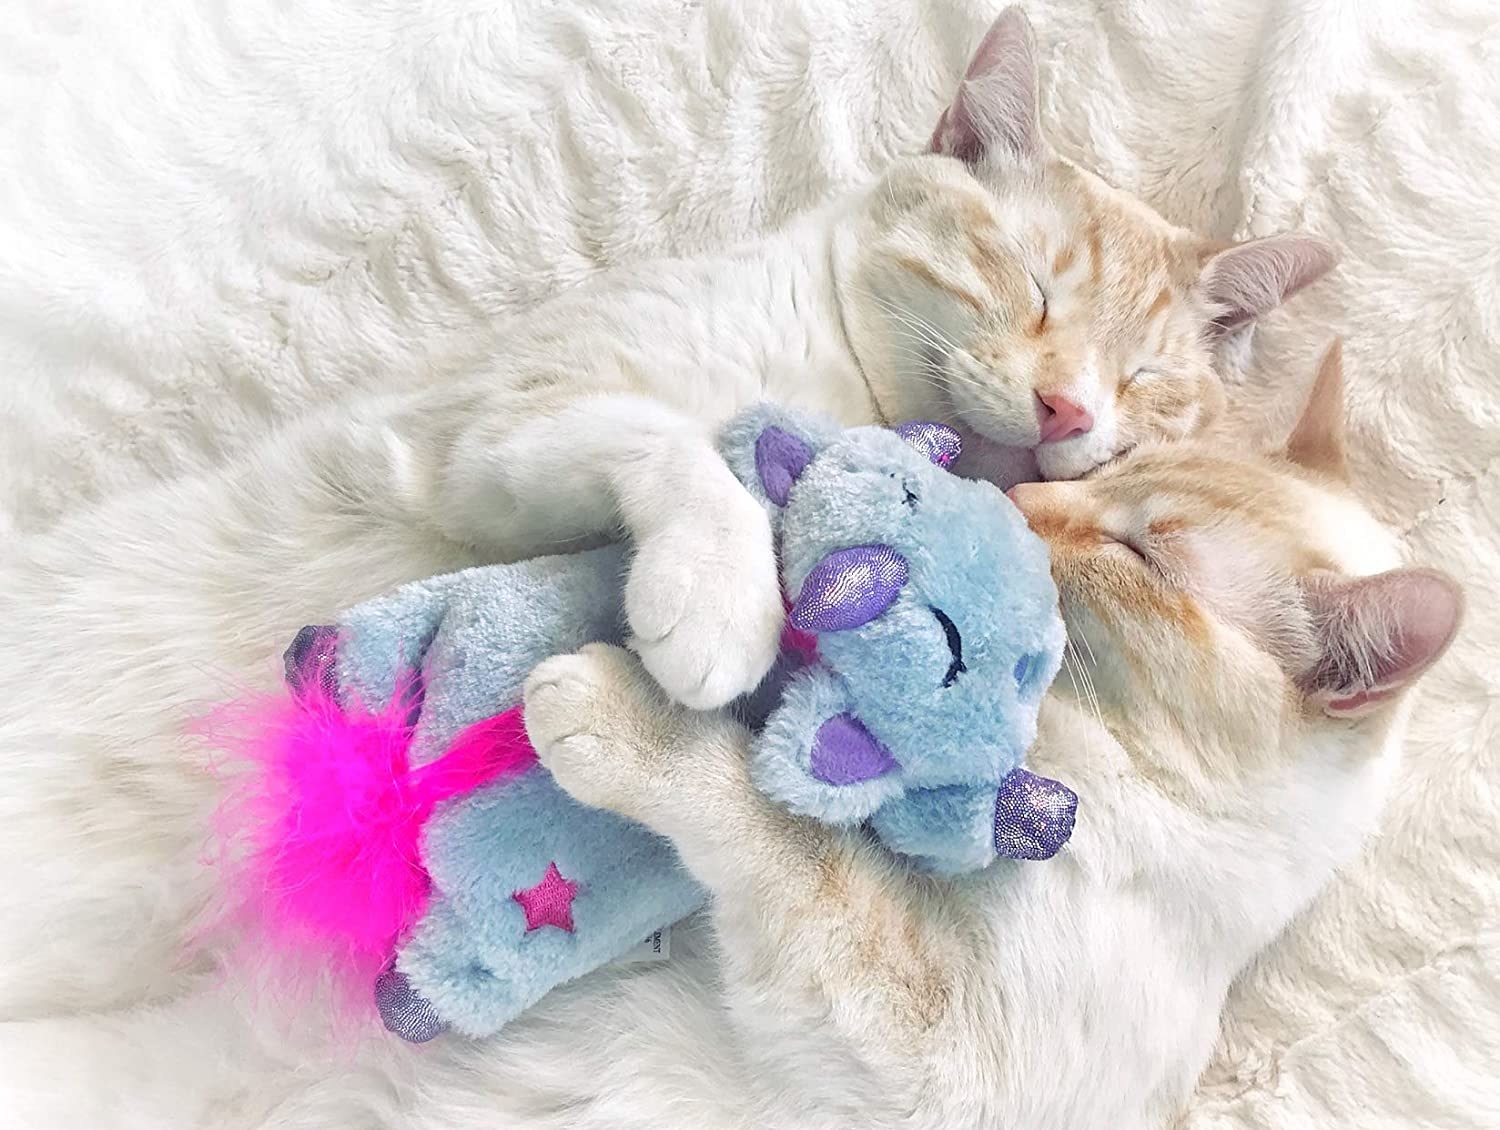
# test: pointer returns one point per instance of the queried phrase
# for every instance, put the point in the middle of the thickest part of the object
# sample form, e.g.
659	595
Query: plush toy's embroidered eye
909	497
955	648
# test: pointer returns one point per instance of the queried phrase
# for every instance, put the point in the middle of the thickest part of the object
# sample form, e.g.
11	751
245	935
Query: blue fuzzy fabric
969	554
472	956
949	741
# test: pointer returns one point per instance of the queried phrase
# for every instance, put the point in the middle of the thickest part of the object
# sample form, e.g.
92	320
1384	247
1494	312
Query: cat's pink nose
1060	417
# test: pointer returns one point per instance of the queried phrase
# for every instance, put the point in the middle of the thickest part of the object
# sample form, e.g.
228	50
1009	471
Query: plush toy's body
922	635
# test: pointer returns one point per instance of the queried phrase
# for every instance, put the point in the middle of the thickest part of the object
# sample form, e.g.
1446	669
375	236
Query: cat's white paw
704	605
588	716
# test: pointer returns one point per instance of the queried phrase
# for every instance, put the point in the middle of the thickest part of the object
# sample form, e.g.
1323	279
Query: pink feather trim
325	826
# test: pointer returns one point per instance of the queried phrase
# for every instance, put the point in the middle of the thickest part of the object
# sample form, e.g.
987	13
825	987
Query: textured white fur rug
214	215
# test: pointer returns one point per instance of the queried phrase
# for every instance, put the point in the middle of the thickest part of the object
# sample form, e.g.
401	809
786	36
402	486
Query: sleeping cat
1243	638
987	283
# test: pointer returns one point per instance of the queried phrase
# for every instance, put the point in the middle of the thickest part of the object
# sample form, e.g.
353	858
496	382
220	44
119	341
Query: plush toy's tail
324	826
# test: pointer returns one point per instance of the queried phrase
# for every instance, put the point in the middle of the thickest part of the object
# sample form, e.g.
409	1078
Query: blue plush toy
922	633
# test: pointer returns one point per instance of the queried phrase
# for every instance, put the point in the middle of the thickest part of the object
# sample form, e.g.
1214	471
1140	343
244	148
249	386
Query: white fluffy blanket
214	215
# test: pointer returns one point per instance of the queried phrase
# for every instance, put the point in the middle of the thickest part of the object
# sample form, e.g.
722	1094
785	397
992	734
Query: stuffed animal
398	825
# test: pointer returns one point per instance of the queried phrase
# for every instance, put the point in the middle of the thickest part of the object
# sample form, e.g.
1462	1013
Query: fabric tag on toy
656	947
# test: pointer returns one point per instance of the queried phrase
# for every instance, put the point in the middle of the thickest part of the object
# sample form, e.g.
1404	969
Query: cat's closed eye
1038	299
1129	544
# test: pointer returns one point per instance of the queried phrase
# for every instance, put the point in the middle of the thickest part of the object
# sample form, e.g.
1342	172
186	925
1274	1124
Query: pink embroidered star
550	902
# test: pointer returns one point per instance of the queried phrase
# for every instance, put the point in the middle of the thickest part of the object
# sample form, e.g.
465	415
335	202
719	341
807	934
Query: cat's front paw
704	605
594	718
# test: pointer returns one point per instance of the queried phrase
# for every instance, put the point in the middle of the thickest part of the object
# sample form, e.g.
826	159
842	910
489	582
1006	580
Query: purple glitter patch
940	443
404	1010
848	588
845	753
780	459
311	661
1033	816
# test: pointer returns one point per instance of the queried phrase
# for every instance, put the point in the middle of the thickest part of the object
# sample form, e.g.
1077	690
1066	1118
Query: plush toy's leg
817	759
947	831
404	1011
534	891
819	920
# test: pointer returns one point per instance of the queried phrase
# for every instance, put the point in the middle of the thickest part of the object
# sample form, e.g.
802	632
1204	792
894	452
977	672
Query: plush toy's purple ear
938	442
848	588
780	458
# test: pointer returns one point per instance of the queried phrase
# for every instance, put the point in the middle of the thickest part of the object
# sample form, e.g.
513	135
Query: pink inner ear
1254	278
996	102
1380	634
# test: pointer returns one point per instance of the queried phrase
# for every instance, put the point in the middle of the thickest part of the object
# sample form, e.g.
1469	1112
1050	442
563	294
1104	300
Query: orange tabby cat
1242	639
1041	307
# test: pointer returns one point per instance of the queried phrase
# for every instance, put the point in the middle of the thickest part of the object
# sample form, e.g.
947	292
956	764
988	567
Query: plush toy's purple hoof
404	1010
311	662
1033	816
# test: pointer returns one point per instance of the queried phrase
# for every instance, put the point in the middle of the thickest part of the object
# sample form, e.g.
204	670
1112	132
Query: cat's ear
1377	635
995	110
1245	280
1317	441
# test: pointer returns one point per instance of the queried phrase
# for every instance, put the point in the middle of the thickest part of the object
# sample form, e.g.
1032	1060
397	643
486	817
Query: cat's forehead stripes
925	271
1160	303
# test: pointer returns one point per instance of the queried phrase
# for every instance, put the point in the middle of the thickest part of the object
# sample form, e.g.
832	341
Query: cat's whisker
1079	674
1094	659
913	320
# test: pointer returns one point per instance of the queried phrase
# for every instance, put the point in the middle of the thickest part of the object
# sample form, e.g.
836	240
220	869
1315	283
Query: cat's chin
997	463
1070	459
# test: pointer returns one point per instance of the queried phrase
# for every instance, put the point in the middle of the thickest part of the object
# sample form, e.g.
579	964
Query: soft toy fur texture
472	956
966	551
453	651
265	295
475	635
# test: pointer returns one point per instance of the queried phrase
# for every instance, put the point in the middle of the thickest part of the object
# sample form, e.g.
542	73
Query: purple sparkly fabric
311	661
848	588
938	442
780	458
1033	816
845	753
405	1011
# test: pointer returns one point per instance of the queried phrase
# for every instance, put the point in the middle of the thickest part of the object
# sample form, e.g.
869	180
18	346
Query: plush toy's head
930	601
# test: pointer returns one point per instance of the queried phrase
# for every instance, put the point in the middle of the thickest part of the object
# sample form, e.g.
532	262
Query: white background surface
214	215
